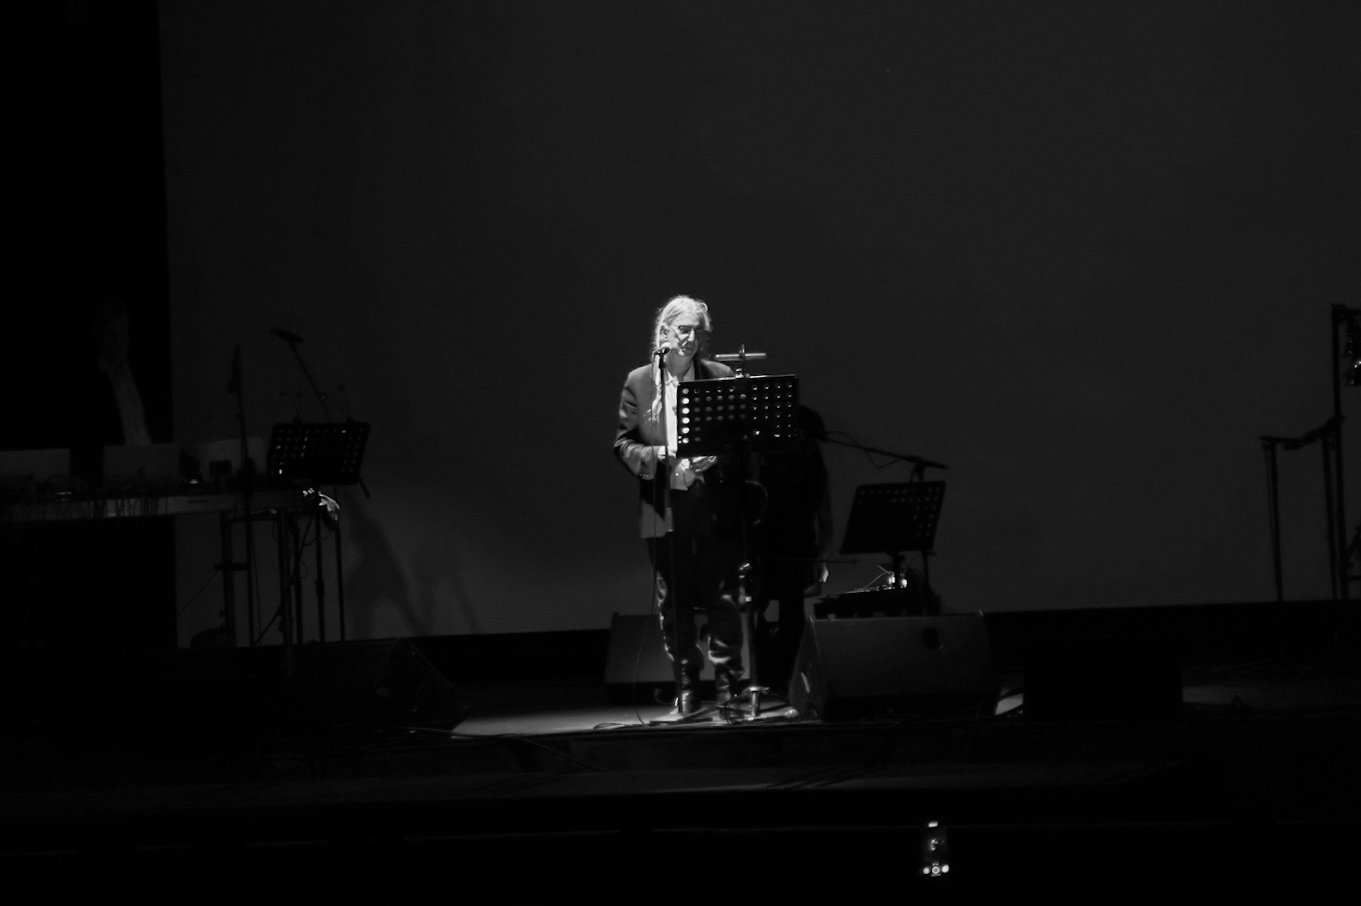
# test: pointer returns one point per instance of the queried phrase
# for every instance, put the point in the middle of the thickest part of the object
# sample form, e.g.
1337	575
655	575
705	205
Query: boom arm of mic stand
917	461
321	397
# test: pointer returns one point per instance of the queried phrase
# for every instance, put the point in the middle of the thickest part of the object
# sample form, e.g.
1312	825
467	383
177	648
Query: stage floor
1256	769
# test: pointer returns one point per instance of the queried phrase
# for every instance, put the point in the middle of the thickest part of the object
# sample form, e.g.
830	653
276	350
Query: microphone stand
293	341
661	478
1273	483
247	481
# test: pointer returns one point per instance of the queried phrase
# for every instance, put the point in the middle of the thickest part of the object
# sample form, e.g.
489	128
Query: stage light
935	851
1351	323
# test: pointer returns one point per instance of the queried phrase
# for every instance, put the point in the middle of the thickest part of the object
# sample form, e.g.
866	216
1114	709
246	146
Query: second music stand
316	454
895	519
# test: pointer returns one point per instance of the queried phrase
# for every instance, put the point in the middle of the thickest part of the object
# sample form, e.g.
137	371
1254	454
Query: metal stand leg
1273	514
340	583
295	579
285	610
321	580
754	689
1330	509
227	565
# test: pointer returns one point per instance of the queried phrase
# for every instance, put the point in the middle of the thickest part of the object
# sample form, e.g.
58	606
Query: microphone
287	336
663	351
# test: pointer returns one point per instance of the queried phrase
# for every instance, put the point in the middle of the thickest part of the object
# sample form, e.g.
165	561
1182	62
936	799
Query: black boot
688	701
729	685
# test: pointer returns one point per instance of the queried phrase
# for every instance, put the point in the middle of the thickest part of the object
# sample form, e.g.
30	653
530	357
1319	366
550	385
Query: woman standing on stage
689	507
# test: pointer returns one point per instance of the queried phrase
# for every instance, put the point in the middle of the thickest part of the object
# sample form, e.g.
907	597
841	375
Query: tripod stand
314	455
740	416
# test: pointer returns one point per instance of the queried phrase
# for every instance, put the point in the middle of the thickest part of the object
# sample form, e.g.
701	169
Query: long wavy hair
675	309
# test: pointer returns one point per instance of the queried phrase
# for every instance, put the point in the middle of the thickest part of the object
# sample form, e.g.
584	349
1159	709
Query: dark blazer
637	437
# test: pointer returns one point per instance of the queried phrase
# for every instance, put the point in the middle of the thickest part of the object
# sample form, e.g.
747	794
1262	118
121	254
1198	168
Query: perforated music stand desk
894	519
752	414
321	453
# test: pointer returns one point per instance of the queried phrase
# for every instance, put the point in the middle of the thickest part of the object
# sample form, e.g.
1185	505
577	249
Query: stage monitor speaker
893	666
1102	676
376	685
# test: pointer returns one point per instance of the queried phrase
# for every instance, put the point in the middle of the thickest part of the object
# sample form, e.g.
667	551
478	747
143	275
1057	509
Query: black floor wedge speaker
870	667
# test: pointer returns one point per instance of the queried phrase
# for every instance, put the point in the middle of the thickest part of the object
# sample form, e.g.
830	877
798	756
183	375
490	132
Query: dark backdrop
86	218
1083	253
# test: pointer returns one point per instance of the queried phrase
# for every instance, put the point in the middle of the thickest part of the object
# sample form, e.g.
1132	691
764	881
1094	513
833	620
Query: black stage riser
1087	676
233	696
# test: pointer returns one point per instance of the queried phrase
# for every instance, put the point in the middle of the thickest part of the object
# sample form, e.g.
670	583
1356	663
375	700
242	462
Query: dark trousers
783	581
696	569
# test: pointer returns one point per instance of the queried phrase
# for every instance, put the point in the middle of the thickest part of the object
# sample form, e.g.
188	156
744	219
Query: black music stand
895	519
741	416
314	454
318	453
